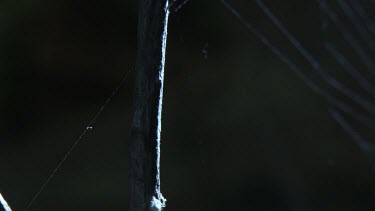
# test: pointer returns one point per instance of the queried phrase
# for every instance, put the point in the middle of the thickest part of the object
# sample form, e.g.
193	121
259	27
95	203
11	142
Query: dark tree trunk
144	148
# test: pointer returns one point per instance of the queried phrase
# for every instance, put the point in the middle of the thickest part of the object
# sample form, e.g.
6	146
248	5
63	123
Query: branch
144	147
4	203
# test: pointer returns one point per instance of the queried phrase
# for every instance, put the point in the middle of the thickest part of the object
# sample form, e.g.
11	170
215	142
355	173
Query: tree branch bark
144	147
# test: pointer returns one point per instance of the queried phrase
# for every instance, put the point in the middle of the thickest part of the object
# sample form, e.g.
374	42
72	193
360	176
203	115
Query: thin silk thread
87	128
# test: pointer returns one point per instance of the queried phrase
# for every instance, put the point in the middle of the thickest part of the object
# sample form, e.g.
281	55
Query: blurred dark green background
240	130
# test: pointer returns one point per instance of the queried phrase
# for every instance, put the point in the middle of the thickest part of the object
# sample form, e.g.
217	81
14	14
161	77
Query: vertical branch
144	147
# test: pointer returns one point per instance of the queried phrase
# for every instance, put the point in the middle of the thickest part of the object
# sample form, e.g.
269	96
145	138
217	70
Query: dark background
240	130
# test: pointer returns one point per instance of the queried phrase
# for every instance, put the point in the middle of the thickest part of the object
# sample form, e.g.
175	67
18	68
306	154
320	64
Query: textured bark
144	148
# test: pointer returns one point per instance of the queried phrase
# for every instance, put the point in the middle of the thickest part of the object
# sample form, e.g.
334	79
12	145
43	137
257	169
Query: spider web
352	103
